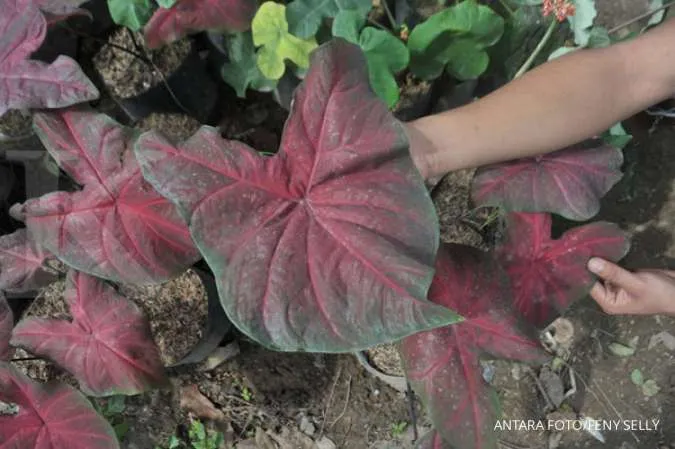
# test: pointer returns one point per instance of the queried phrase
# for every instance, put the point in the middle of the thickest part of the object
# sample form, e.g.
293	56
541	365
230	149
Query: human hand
646	292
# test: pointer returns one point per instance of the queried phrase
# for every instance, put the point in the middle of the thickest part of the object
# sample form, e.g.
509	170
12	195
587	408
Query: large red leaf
108	346
22	264
50	416
6	325
328	245
568	182
191	16
548	275
443	365
34	84
117	227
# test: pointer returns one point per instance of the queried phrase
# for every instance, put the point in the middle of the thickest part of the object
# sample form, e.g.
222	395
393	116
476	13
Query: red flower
561	8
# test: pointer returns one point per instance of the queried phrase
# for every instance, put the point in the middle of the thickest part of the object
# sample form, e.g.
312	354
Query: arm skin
555	105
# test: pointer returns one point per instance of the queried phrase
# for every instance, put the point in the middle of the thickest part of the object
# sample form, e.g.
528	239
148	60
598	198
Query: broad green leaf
270	32
348	24
433	44
636	377
132	14
242	71
465	60
305	16
166	4
599	38
385	55
582	21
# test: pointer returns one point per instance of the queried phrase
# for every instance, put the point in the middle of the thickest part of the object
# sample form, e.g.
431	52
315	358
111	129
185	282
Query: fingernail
596	265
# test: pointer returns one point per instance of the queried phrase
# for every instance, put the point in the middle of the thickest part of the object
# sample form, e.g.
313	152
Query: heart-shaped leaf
192	16
51	416
6	326
455	37
33	84
117	227
108	346
242	71
133	14
568	182
386	56
548	275
22	264
326	246
305	16
270	32
443	365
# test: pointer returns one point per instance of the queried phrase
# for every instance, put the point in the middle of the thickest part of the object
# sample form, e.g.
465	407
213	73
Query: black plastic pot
190	91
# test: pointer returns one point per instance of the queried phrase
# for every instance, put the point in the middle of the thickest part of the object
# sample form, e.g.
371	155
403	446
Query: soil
264	399
127	74
15	124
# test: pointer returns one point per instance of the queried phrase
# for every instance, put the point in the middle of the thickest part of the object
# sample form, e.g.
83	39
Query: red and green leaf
443	365
51	416
568	182
34	84
327	246
548	275
191	16
108	346
6	326
22	264
117	227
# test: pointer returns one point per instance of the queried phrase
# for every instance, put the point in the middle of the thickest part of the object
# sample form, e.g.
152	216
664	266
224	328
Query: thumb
614	274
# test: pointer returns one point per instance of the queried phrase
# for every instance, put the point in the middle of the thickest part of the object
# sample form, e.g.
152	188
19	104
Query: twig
390	16
640	17
540	46
344	409
25	359
542	390
338	374
410	395
507	8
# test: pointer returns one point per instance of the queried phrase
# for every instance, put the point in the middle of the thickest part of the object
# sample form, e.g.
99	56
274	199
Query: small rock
325	443
306	426
664	338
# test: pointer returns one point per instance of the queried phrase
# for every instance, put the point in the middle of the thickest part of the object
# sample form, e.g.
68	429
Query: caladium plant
25	83
108	346
328	245
52	416
117	227
569	182
443	366
189	16
23	264
548	275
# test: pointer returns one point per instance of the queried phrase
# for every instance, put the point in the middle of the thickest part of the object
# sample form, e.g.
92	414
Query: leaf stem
540	46
390	16
25	359
640	17
507	8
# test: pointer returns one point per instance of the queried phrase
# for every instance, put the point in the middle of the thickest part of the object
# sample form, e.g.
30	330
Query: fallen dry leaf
193	401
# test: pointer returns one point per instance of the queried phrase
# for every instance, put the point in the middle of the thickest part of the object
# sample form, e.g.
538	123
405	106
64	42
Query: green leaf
562	51
348	24
650	388
133	14
617	136
166	4
305	16
385	55
121	430
621	350
270	32
115	405
465	27
599	38
582	21
636	377
242	71
174	442
466	61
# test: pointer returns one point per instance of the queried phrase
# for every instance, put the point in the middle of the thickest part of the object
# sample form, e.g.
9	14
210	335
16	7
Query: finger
600	294
615	274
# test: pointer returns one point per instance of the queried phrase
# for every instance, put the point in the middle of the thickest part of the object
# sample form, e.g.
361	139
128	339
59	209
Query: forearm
556	105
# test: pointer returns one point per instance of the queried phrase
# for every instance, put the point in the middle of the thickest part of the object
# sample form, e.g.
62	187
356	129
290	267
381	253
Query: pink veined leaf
548	275
6	326
22	264
62	8
443	365
191	16
50	416
108	346
117	227
327	246
569	182
34	84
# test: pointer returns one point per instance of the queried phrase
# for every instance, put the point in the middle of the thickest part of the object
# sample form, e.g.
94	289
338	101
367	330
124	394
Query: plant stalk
390	16
640	17
540	46
507	8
